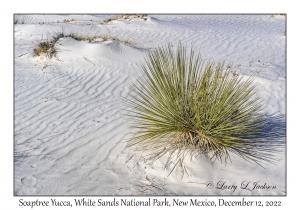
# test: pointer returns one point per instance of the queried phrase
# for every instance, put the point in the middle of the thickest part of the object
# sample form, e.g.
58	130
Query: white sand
70	131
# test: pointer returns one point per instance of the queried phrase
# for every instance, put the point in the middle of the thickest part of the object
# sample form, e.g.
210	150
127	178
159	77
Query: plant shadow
264	146
273	131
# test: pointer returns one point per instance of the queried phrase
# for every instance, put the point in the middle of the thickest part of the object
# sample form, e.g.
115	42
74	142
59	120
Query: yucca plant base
182	105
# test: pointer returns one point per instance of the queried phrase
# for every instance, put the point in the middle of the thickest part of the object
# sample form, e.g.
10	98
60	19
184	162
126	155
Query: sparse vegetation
126	17
78	37
48	48
273	15
184	106
19	20
129	42
16	20
105	37
67	21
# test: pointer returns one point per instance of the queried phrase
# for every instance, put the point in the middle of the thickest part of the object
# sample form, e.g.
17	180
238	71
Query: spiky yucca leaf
183	105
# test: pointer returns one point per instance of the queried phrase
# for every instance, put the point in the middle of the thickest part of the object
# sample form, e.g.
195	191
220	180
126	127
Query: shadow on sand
270	140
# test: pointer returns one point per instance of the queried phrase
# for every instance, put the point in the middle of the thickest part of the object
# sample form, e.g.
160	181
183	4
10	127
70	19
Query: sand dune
70	128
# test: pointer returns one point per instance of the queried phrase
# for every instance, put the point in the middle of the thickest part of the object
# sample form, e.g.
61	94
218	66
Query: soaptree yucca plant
183	105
